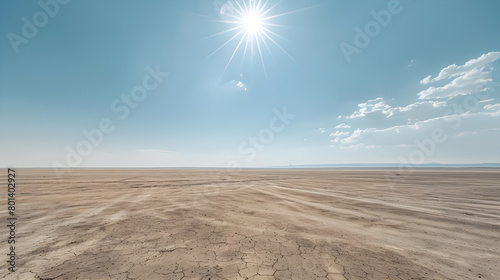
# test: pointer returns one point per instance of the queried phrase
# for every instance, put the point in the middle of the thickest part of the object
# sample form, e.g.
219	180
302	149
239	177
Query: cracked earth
256	224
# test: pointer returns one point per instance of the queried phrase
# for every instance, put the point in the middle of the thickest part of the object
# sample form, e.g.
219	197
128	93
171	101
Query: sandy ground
255	224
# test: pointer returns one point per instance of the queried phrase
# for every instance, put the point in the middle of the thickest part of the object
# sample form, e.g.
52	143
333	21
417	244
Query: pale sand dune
256	224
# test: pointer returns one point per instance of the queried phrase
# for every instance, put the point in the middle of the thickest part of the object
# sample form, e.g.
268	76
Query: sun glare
251	24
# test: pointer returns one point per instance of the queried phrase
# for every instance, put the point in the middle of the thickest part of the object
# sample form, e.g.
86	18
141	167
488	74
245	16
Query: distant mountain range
392	165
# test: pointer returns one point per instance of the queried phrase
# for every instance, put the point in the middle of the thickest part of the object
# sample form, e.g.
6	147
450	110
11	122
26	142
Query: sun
251	24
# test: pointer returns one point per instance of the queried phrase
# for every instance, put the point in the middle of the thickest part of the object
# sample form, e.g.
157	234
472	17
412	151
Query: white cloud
469	78
321	130
487	100
378	108
407	134
372	108
492	107
383	125
417	110
426	80
336	140
343	125
339	133
468	83
467	133
454	70
358	146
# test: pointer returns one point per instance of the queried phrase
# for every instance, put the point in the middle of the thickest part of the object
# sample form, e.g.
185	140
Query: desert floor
255	224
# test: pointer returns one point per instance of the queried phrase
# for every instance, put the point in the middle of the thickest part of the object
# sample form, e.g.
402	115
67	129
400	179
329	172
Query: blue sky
423	87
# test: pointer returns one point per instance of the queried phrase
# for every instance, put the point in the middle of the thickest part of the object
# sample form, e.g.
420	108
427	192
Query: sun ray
238	11
246	8
225	31
232	38
245	51
252	22
265	44
270	9
274	24
269	31
274	42
258	5
261	6
235	50
241	10
261	58
286	13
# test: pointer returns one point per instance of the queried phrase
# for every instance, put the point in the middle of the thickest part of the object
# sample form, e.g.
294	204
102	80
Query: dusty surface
257	224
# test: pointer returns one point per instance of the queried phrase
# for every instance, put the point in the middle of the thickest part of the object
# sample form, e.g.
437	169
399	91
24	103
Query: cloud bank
465	106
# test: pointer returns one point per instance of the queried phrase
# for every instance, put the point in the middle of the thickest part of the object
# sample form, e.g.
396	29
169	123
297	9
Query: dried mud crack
259	224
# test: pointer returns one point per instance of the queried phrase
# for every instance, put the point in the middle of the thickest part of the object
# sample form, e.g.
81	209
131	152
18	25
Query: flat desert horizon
250	140
256	224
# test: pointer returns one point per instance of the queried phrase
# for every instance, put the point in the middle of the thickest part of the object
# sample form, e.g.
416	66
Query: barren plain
255	224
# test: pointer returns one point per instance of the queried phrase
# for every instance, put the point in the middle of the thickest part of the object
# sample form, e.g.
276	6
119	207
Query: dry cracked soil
255	224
